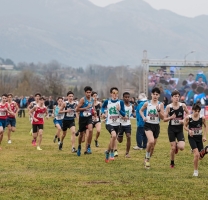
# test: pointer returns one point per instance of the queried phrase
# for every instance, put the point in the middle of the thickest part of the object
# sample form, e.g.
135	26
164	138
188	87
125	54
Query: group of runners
116	114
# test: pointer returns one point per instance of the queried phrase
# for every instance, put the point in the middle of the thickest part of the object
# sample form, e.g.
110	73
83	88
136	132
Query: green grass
26	173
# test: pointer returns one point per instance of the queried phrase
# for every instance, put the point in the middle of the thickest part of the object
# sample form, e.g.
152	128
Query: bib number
59	117
70	114
86	113
40	115
2	113
175	122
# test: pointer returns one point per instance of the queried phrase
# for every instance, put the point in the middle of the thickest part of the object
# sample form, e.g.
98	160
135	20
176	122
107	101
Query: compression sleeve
104	106
122	110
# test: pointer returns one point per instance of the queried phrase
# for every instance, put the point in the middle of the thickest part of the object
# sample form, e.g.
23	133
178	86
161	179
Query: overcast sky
189	8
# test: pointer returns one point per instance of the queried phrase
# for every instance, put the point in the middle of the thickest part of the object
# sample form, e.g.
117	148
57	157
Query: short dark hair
87	88
10	94
59	98
93	93
194	86
196	106
113	88
42	98
156	89
175	92
191	74
5	95
69	92
126	93
37	94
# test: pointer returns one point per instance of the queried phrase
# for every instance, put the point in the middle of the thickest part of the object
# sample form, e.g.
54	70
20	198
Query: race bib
198	132
70	114
96	119
86	113
40	115
59	117
2	113
175	122
153	119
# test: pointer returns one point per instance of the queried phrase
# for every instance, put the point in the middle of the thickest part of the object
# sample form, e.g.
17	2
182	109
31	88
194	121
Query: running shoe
79	152
195	174
38	148
73	150
30	133
89	150
107	156
55	137
203	152
9	141
96	143
172	166
137	148
127	156
112	156
59	142
60	146
116	153
34	143
147	164
176	149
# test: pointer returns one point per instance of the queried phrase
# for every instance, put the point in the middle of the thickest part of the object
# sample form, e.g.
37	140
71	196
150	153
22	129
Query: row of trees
54	79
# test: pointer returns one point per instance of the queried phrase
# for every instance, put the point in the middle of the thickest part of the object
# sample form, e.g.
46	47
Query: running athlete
68	109
11	118
126	123
174	113
155	112
115	108
85	119
31	105
58	119
96	120
37	114
193	124
4	110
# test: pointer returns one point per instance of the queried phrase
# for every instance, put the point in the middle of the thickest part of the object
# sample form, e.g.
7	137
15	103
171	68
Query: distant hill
78	33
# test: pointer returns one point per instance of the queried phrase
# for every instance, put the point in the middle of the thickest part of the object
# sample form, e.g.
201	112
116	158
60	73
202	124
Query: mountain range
78	33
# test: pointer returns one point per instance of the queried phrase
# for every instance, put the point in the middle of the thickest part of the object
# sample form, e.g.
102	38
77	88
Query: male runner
193	124
174	113
68	109
58	119
155	112
84	108
37	114
11	118
4	110
96	120
126	123
115	108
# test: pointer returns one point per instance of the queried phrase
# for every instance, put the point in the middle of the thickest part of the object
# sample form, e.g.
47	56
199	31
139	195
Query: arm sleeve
104	106
122	110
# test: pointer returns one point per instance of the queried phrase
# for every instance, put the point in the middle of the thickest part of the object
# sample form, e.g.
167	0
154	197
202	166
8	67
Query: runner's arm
143	108
205	129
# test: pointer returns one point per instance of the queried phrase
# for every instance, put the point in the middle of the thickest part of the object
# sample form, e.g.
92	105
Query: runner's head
70	95
41	100
155	94
4	98
175	96
114	93
94	95
126	97
88	91
196	108
10	96
60	100
37	96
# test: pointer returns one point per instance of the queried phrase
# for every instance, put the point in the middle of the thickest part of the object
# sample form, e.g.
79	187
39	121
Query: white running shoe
38	148
9	141
195	173
137	148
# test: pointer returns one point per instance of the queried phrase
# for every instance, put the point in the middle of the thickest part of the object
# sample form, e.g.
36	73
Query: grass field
26	173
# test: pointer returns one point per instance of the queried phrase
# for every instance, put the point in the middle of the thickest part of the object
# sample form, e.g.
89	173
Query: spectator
200	95
191	93
190	79
23	105
141	138
31	99
165	102
201	75
184	89
50	105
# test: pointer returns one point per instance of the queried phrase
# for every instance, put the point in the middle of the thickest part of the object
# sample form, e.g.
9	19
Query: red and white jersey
4	110
39	115
13	108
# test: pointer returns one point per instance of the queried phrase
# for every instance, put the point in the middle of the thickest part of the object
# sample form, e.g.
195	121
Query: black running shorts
196	142
111	128
155	128
84	122
37	127
124	129
175	134
67	124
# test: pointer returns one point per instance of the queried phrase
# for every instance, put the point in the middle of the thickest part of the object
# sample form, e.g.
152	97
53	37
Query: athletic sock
115	150
88	146
79	146
148	155
58	139
111	150
56	136
172	162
